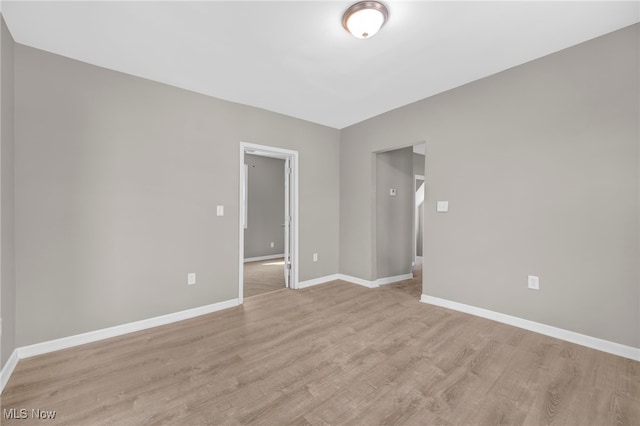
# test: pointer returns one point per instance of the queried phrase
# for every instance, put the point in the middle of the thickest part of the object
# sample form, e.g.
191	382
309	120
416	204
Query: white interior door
287	222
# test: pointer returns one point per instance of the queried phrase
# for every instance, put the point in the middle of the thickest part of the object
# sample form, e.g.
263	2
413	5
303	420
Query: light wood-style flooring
263	277
332	354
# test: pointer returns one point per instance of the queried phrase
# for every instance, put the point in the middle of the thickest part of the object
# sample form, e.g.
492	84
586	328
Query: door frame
374	207
273	152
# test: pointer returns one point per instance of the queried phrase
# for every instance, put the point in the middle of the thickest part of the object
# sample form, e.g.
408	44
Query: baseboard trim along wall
7	370
105	333
259	258
376	283
316	281
118	330
559	333
391	280
354	280
328	278
359	281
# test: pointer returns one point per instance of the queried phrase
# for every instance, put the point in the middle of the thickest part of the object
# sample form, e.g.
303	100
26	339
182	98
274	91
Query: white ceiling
294	57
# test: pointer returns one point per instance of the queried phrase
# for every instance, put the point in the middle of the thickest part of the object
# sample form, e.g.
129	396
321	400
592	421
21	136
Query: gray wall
7	236
265	214
117	181
540	165
117	178
418	164
394	215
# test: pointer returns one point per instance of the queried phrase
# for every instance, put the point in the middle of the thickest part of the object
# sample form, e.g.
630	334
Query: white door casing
290	223
287	222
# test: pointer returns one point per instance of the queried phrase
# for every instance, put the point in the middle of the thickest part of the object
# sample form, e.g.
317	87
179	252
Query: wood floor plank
263	277
332	354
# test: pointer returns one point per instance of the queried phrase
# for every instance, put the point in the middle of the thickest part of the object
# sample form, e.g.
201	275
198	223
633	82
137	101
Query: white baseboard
391	280
260	258
374	284
8	368
316	281
359	281
118	330
105	333
559	333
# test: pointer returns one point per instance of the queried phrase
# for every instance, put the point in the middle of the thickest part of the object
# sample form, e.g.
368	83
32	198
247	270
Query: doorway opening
398	211
268	225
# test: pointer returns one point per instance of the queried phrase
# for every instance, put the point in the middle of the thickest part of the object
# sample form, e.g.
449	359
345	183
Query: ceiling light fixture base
365	18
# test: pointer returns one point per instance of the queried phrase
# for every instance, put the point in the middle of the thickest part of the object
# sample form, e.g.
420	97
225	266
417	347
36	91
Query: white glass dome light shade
365	18
365	23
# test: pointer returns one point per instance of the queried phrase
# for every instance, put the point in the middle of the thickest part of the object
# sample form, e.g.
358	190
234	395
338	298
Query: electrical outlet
533	282
191	278
315	257
272	244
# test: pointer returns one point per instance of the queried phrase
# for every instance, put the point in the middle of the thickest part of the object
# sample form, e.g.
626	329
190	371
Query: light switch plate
442	206
392	192
191	278
533	282
220	210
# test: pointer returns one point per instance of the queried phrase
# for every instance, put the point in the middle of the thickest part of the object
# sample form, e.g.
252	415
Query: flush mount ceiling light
365	18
